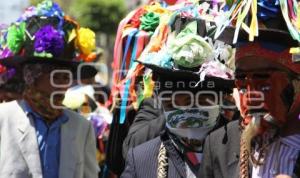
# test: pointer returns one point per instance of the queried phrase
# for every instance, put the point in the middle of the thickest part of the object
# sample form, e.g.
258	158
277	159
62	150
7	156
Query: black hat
43	34
214	69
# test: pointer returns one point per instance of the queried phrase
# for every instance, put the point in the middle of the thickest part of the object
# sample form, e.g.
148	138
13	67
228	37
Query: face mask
194	123
41	104
259	92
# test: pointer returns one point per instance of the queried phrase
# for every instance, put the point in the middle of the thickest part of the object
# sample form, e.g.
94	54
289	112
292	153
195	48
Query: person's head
47	79
50	49
267	86
191	112
193	75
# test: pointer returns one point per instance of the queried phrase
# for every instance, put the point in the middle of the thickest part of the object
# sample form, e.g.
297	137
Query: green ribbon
188	49
16	37
43	55
149	21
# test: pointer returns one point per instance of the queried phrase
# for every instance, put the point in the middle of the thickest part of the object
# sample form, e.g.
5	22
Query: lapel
27	139
233	151
175	158
67	150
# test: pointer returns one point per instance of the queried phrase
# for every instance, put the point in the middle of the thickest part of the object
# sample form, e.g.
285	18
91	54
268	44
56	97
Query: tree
100	15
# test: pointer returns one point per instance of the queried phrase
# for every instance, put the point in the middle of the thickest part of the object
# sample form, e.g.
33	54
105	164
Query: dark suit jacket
142	161
148	123
221	153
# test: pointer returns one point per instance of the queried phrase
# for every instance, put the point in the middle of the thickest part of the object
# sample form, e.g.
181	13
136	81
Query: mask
40	103
263	94
192	124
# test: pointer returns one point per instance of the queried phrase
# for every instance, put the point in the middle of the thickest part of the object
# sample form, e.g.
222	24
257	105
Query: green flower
189	49
149	21
16	37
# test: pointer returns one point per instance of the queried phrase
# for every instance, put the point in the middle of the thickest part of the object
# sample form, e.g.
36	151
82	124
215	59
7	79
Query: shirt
48	138
281	158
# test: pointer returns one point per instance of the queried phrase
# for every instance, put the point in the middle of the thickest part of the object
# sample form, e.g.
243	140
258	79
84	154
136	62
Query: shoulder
12	105
149	145
224	137
77	123
10	109
231	129
144	156
75	117
147	150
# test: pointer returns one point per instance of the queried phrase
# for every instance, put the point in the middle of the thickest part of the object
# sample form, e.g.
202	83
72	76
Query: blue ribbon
268	9
124	98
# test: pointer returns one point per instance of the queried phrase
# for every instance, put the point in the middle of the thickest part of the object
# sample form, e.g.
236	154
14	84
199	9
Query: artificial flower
49	9
6	53
86	41
49	40
149	21
16	37
189	49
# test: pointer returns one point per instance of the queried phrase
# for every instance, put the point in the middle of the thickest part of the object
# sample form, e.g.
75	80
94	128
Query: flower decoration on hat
44	32
48	42
189	49
16	37
86	42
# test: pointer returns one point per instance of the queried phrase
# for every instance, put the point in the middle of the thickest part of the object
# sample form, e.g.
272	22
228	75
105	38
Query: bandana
192	125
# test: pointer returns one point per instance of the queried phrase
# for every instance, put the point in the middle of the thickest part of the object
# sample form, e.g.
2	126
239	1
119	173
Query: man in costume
191	105
266	142
39	138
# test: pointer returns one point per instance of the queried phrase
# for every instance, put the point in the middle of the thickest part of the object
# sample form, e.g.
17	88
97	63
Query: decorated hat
190	52
272	33
44	34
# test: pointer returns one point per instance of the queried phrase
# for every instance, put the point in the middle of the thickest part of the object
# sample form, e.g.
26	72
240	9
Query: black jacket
148	123
142	161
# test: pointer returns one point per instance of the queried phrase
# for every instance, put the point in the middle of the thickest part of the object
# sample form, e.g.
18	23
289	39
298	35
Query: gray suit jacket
221	153
19	153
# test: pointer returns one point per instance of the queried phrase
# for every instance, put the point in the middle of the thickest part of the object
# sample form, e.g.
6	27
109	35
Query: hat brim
78	69
165	74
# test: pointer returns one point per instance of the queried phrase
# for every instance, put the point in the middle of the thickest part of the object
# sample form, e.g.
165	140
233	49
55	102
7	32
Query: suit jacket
148	123
19	153
221	153
142	161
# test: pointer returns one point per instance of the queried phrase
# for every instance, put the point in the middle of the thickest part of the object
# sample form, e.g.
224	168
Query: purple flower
6	53
49	40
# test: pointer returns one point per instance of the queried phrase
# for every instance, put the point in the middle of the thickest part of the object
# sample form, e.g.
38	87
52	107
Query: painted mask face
264	94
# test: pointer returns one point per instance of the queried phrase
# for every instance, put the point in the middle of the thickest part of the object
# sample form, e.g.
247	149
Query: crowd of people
199	89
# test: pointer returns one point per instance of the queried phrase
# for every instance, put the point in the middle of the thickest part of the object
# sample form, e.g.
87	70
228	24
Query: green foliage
100	15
